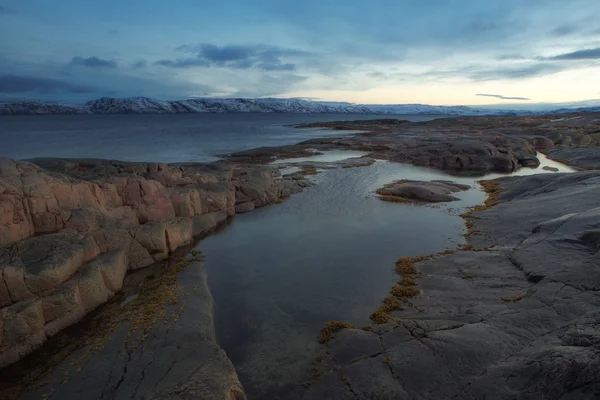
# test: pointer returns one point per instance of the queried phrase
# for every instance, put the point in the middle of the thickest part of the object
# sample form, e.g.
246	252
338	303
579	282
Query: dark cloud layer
182	63
564	30
27	84
499	96
267	58
270	86
140	64
588	54
517	72
251	48
92	62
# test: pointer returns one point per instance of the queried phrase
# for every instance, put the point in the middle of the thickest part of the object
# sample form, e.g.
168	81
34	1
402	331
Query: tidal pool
280	272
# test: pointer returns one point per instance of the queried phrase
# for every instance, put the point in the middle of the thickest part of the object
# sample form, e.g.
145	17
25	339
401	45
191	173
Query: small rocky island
513	313
406	191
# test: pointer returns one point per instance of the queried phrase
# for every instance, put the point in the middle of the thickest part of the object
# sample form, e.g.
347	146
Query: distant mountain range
145	105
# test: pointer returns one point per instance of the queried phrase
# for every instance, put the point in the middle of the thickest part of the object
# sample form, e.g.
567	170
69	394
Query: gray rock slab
520	320
172	360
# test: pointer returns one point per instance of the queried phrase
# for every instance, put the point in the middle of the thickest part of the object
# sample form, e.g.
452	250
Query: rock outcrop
465	145
70	230
406	191
175	357
583	157
518	317
439	144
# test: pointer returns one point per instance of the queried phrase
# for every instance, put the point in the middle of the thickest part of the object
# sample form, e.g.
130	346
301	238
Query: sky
442	52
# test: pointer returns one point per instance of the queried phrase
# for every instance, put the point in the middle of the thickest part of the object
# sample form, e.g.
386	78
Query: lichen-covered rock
171	358
23	324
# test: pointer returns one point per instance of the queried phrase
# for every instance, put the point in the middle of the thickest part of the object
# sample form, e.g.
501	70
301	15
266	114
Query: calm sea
159	138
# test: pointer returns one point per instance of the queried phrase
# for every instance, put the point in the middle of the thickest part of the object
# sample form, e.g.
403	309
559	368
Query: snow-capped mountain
145	105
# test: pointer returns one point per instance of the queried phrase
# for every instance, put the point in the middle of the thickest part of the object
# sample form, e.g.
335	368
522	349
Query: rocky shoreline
462	146
515	314
72	230
512	314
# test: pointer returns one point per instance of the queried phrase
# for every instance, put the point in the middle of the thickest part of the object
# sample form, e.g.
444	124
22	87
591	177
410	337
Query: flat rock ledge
516	317
70	231
175	357
406	191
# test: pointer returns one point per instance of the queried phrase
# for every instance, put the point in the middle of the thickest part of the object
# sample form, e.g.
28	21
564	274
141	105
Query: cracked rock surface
169	360
519	320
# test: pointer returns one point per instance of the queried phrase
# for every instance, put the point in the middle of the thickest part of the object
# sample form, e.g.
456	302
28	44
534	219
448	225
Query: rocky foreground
517	317
514	314
72	230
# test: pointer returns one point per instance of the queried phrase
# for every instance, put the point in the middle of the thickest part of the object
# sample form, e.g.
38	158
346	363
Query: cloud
92	62
139	64
588	54
27	84
518	72
564	30
377	75
263	57
511	57
337	46
499	96
182	63
270	86
477	27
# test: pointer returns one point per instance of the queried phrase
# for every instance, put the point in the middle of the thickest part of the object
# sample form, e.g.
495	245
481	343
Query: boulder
420	191
543	143
152	237
203	224
547	168
244	207
220	196
529	162
85	219
62	308
50	260
100	279
14	282
186	202
23	332
179	232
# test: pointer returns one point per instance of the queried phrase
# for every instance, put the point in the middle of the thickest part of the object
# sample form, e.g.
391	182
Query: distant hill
145	105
